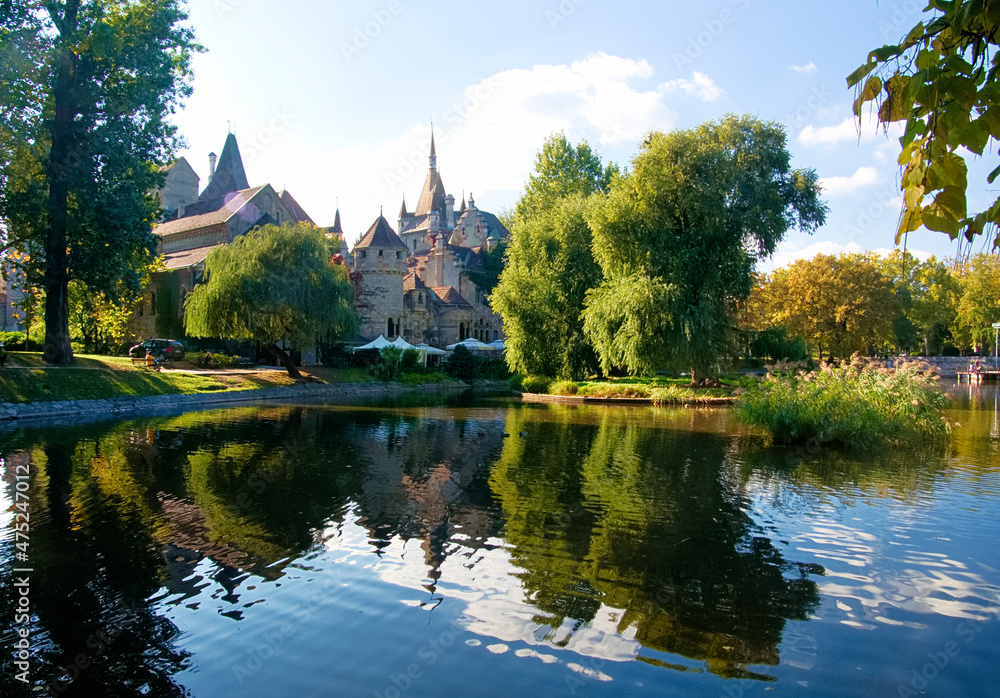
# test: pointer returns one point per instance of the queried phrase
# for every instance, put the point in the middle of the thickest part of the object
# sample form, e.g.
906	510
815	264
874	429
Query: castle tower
381	258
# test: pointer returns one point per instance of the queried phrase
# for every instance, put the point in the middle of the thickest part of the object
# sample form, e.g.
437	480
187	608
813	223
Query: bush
564	388
858	404
388	369
536	384
410	360
366	358
514	382
461	364
13	341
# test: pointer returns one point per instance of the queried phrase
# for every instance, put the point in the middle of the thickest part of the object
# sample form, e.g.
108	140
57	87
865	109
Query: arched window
461	331
389	328
152	304
380	253
420	298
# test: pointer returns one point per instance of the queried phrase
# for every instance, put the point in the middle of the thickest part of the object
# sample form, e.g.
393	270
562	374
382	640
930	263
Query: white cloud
789	252
700	86
809	67
837	186
847	131
488	137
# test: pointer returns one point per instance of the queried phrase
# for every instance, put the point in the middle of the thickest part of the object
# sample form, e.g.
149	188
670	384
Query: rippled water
489	548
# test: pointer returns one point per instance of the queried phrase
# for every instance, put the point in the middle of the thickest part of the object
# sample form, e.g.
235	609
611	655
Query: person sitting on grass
207	361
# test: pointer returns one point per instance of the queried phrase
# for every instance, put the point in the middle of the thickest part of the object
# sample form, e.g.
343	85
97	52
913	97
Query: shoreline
586	399
30	412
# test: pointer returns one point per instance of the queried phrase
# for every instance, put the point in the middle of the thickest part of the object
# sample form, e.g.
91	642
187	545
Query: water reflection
671	537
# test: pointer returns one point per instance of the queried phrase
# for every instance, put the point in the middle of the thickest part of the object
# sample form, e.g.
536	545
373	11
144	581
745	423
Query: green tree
941	81
678	239
76	196
273	284
979	303
550	268
928	295
549	264
841	304
562	170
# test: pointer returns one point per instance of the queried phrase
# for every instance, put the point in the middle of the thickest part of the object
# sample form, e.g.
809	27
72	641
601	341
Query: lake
475	546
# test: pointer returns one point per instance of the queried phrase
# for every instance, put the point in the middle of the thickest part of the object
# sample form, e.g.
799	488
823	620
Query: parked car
162	349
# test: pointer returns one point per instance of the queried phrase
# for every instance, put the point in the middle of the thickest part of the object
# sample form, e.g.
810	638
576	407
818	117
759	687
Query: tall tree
549	263
272	285
563	170
941	81
77	186
928	294
841	304
678	239
550	268
979	303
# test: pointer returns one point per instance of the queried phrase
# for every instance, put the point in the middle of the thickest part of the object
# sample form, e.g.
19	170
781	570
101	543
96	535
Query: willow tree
83	119
678	238
272	285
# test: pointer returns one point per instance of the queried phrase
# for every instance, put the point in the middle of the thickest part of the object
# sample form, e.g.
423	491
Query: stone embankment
950	365
311	392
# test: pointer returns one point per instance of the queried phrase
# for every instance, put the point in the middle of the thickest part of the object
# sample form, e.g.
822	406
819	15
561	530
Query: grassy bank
661	390
859	404
26	378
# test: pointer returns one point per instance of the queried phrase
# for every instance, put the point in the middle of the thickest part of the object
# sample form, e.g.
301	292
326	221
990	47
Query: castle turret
381	257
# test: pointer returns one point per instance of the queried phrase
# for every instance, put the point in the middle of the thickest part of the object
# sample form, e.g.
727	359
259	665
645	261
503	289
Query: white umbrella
498	345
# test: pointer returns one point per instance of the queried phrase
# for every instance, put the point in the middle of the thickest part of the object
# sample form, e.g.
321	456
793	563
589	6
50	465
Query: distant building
419	279
194	224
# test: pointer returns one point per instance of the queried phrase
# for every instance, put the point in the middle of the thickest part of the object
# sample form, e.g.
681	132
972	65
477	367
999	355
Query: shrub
12	341
492	369
564	388
410	360
858	404
514	382
366	358
607	390
461	364
388	368
535	384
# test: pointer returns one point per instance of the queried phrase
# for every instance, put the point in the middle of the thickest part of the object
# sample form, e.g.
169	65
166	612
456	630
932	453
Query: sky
333	100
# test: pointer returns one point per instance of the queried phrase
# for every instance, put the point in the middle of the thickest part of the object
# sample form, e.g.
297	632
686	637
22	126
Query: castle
417	283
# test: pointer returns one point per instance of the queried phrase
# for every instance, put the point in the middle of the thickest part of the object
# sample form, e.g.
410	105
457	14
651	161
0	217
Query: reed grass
857	404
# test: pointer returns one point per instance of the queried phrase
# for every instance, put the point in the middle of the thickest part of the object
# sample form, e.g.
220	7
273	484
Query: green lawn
27	378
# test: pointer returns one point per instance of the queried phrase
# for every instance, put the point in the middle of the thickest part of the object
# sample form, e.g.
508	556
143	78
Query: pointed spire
402	210
434	157
229	174
462	210
337	228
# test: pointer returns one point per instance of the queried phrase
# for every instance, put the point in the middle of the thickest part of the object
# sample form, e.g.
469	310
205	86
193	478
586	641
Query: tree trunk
286	361
60	171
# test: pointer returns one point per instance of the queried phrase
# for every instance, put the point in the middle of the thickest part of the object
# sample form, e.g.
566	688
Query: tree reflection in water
646	523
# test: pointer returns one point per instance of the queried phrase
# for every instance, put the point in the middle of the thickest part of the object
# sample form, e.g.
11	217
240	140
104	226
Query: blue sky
333	99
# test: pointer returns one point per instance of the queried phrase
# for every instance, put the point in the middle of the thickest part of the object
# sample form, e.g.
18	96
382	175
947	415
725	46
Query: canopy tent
498	344
402	344
380	344
429	350
471	344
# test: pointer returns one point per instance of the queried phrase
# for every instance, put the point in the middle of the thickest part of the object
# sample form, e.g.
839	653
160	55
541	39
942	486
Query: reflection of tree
644	520
96	562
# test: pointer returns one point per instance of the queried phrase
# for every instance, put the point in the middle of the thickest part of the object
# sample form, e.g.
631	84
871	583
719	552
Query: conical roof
229	173
381	234
432	195
337	229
